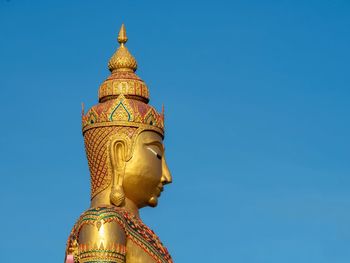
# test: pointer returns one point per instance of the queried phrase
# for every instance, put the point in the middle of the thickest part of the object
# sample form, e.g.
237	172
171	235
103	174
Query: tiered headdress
123	96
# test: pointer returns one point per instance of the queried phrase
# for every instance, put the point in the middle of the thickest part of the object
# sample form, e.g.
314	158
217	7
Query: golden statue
123	138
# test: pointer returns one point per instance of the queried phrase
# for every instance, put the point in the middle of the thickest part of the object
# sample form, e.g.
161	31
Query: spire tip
122	38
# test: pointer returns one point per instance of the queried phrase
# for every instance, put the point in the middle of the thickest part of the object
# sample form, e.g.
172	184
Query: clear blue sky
256	95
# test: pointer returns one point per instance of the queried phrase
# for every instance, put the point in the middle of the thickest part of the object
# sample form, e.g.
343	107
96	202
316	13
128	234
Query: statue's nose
166	175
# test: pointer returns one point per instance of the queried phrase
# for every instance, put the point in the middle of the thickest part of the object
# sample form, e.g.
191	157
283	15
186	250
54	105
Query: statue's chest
142	236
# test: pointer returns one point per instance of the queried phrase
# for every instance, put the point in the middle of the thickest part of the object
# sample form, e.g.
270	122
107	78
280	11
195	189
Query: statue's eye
155	153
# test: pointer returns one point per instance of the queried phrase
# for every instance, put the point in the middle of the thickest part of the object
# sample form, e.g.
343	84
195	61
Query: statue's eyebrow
156	143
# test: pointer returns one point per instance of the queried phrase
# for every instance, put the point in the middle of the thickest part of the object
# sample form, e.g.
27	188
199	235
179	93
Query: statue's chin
153	201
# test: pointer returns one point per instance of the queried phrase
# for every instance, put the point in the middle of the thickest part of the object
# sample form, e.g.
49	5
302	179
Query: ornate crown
123	96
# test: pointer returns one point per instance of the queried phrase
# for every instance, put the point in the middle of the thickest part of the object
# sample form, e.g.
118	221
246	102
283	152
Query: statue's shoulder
98	216
87	239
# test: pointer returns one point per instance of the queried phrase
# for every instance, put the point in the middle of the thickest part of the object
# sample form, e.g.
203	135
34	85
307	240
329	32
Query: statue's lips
160	188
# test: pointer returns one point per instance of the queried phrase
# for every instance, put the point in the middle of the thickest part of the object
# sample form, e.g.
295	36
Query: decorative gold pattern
123	96
123	112
126	83
113	252
135	230
122	59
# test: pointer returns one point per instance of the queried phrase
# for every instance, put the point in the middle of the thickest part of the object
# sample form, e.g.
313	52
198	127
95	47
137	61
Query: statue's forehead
149	136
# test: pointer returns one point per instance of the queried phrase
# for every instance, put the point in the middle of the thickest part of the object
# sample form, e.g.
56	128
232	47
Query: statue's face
146	172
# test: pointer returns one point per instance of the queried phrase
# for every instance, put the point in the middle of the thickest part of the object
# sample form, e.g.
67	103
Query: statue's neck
131	207
103	199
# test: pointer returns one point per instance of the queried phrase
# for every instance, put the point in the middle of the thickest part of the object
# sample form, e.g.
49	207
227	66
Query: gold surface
122	60
123	138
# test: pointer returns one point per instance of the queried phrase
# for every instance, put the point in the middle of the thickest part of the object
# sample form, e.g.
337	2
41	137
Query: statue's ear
118	153
118	150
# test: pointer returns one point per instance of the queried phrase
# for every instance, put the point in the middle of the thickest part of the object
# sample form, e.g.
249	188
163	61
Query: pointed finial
82	109
122	60
122	38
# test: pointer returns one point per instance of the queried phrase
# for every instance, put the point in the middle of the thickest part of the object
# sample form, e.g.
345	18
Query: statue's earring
117	195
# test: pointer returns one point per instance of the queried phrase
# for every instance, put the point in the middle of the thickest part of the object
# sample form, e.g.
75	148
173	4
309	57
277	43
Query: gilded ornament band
124	123
125	87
